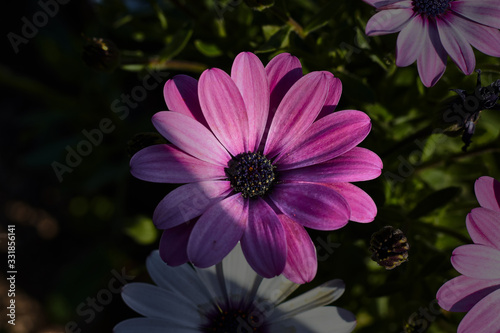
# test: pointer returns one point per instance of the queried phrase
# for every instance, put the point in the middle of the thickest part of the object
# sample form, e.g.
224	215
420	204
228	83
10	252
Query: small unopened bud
389	247
101	54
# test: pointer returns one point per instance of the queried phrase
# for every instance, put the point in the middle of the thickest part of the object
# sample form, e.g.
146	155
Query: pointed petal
181	95
314	298
410	42
152	325
264	240
484	227
358	164
190	136
388	21
282	73
456	45
181	280
276	290
334	93
484	12
319	320
487	191
301	263
462	293
249	75
326	139
477	261
155	302
224	110
217	231
173	244
389	4
483	317
363	208
431	62
188	202
483	38
297	111
312	205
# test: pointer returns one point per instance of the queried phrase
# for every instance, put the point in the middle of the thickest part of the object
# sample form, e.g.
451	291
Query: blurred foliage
101	215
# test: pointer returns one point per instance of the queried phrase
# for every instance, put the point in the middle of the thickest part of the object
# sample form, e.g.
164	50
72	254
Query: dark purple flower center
252	174
235	321
430	7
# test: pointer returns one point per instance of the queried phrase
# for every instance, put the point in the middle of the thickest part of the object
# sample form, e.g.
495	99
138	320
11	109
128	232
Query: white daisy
229	298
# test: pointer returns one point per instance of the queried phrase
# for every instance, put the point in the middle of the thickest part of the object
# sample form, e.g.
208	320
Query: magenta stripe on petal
483	38
173	244
167	164
217	231
334	93
189	201
484	227
410	42
462	293
363	208
477	261
312	205
483	317
249	75
358	164
388	21
301	264
431	63
224	110
181	95
486	12
190	136
298	109
282	72
264	241
327	138
456	45
487	191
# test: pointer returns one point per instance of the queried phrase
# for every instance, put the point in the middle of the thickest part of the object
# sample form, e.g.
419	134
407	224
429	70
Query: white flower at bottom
229	298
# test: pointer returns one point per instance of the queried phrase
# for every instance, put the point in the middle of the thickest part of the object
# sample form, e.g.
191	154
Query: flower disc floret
431	8
233	320
252	174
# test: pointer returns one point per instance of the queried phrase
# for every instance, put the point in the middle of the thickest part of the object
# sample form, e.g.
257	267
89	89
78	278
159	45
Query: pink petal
484	227
181	95
477	261
388	21
217	231
298	109
488	192
173	244
224	110
410	42
188	202
334	93
483	38
301	263
462	293
249	75
327	138
363	208
486	12
282	73
483	317
167	164
264	242
431	62
191	137
356	165
312	205
456	45
389	4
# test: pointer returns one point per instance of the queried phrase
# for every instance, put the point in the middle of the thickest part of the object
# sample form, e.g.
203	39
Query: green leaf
435	200
207	49
277	41
177	43
142	230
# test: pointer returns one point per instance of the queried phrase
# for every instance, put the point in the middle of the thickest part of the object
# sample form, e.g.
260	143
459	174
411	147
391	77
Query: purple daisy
430	30
477	290
264	156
